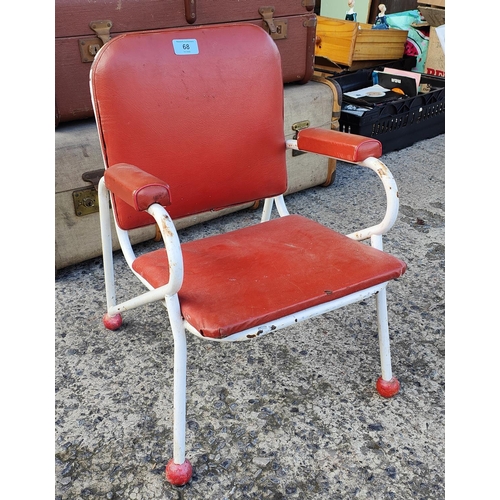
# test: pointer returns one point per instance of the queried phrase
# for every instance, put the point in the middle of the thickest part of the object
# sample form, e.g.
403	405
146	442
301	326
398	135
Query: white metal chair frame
139	82
168	293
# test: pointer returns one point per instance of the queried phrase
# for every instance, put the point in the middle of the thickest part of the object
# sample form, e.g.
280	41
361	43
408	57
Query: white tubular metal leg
280	205
180	362
266	211
377	242
279	201
383	335
107	245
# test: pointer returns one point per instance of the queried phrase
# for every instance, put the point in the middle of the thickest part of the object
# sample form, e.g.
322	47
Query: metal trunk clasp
90	46
278	29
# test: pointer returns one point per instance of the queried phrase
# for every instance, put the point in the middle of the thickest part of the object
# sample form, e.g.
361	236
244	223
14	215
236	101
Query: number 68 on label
185	47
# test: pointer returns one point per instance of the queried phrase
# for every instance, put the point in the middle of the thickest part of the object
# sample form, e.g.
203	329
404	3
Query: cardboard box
433	11
435	61
344	42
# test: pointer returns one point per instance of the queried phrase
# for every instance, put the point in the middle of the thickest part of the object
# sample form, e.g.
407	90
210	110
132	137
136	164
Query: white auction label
185	47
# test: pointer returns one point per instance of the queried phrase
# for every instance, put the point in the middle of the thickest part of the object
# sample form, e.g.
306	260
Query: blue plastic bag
417	42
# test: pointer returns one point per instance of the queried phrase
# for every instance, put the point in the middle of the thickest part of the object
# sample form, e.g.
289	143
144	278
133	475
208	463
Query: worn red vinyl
348	147
257	274
136	187
207	92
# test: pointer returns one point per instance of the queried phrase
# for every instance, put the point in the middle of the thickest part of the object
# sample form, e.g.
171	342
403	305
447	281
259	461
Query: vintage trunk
318	106
81	28
78	156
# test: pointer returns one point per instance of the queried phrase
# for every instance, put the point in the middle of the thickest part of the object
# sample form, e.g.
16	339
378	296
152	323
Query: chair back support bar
189	119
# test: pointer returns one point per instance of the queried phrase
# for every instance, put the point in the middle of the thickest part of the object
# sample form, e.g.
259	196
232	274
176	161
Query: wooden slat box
432	3
344	42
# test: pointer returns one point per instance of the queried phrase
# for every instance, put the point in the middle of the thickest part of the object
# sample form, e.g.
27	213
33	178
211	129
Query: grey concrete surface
292	415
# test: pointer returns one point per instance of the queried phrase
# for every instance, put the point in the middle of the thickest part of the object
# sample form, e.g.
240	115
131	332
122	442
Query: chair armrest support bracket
361	151
392	198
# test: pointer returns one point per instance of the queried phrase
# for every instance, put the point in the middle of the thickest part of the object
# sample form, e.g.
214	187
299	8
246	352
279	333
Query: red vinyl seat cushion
250	276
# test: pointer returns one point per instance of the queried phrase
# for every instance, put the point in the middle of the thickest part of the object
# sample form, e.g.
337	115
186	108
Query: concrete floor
294	414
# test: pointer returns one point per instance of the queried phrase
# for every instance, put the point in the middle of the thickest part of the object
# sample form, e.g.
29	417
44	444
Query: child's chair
191	120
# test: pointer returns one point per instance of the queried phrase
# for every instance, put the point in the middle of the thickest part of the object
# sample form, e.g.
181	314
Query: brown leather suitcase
82	27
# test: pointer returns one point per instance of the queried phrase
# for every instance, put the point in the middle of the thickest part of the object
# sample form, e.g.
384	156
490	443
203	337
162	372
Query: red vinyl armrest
348	147
136	187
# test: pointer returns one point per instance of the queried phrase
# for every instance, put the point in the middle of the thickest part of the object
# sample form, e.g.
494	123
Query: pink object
388	388
112	322
178	474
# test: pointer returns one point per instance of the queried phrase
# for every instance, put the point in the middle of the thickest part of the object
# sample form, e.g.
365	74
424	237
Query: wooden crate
345	42
433	12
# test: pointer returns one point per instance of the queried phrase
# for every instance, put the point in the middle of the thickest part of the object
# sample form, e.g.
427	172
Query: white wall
338	8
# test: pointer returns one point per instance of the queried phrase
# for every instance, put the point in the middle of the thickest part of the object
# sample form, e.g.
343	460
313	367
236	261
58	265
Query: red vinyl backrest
200	108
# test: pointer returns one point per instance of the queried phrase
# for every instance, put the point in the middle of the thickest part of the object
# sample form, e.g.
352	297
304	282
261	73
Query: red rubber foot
388	388
178	474
112	322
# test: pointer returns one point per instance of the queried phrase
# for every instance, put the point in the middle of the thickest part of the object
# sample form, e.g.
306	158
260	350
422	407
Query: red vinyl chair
191	120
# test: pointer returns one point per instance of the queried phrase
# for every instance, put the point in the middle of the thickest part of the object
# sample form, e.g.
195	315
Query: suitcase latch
296	127
85	200
278	29
90	46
